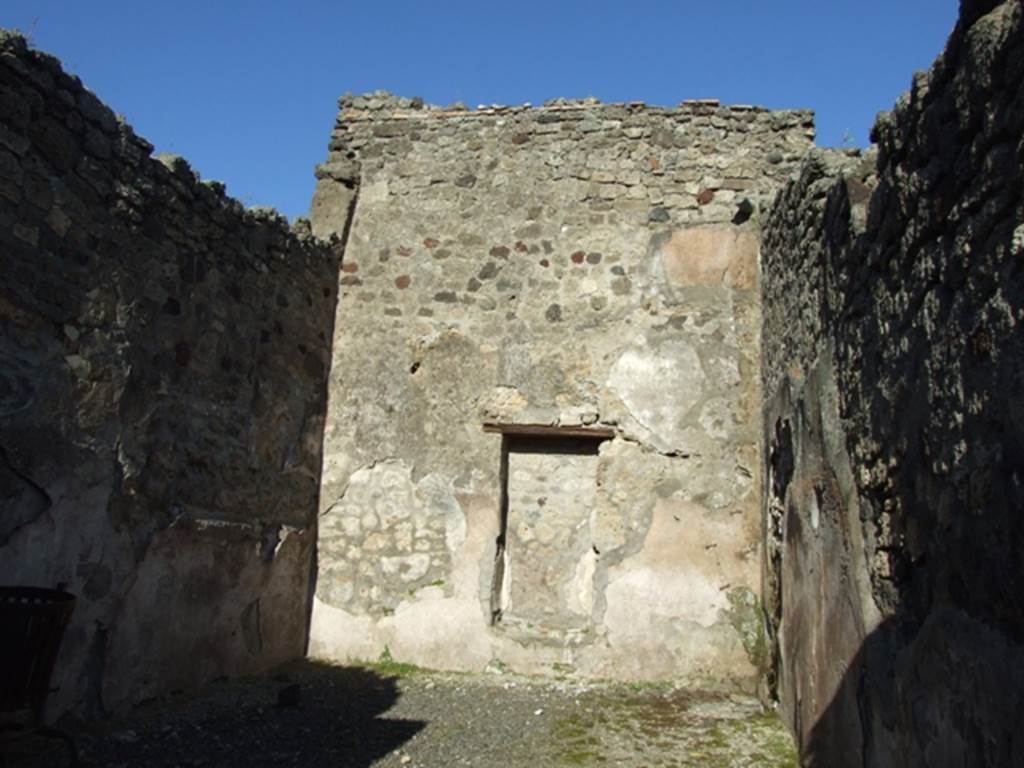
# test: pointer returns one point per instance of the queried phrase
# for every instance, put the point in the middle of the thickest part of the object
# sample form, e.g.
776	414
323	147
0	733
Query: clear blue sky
247	91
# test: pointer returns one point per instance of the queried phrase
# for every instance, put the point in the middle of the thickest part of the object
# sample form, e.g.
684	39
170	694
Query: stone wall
163	356
892	349
572	265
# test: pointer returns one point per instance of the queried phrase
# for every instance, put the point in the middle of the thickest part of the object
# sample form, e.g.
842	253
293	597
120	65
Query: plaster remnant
659	386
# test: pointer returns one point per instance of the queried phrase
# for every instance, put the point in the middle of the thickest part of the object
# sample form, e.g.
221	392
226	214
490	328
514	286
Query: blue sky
247	91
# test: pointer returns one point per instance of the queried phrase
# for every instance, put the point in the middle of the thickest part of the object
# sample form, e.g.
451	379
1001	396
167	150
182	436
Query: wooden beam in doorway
547	430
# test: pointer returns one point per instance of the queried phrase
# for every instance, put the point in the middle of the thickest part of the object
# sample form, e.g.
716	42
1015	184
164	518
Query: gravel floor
310	714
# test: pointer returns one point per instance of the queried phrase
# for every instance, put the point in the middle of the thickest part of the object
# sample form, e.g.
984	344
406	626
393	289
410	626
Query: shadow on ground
307	714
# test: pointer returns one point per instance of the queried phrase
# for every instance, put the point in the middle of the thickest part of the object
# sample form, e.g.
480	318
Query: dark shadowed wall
894	380
163	357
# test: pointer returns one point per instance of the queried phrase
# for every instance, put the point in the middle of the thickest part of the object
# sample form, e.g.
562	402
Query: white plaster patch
678	575
374	192
460	641
659	388
438	495
337	635
1017	242
408	568
580	595
724	370
717	418
640	596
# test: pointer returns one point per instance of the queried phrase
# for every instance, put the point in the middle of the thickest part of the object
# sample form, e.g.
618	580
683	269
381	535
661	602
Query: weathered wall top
380	104
698	162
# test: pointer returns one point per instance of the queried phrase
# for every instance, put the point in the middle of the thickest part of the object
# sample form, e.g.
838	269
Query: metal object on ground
32	623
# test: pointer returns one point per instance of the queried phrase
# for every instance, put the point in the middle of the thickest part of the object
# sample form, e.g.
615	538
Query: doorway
545	560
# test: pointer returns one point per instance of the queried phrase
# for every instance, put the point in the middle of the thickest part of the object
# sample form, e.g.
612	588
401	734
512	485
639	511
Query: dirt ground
310	714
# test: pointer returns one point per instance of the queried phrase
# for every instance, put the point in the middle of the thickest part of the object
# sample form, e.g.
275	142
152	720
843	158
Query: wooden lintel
546	430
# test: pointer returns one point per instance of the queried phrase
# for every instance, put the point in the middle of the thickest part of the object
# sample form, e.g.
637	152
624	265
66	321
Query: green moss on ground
386	666
656	726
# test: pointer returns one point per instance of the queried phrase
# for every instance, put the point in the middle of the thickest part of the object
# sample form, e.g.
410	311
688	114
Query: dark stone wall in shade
163	359
893	374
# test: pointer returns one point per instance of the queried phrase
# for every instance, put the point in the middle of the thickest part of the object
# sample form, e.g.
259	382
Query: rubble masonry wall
571	265
894	430
163	354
